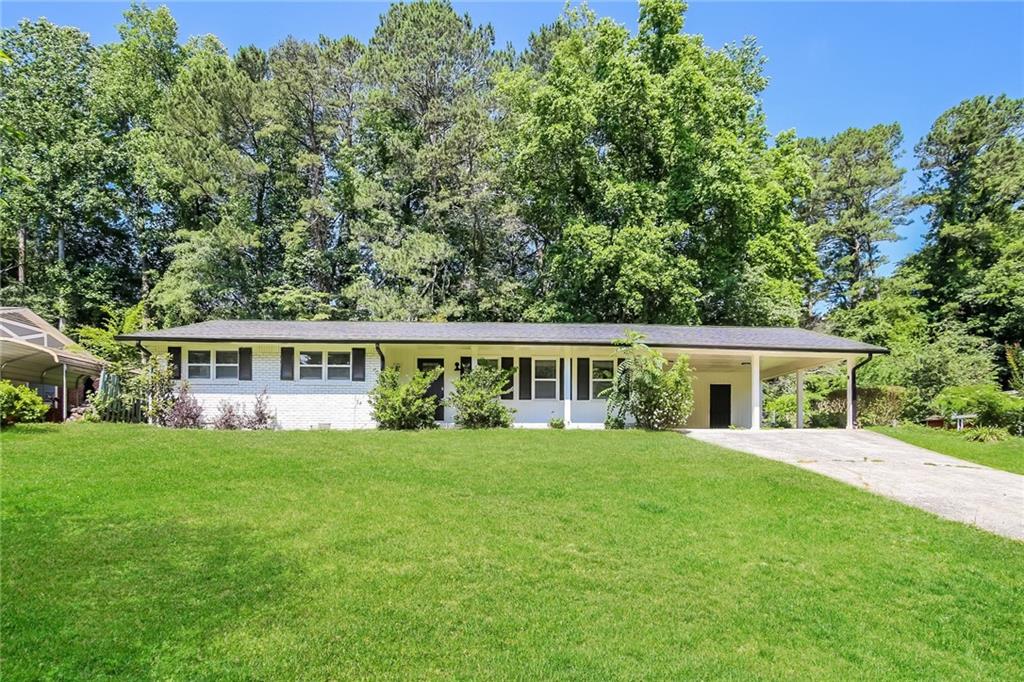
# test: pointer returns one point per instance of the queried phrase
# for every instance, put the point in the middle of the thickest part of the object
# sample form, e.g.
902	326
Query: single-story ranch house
318	374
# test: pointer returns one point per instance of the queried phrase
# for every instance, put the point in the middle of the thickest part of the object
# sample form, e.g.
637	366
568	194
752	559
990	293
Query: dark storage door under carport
721	406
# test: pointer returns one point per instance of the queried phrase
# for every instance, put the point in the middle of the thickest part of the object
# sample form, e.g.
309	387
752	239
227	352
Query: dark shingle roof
511	333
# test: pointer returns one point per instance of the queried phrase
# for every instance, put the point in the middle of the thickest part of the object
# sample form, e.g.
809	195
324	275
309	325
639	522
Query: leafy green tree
973	258
311	117
854	208
947	356
102	341
429	219
59	233
131	79
652	134
205	164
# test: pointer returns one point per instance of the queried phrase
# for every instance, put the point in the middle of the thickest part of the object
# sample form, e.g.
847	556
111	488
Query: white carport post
850	391
755	392
567	389
799	399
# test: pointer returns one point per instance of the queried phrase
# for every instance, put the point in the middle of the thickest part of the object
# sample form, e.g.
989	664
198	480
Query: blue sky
832	64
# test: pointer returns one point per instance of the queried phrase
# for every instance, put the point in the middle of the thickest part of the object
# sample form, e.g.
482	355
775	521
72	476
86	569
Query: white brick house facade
297	404
320	374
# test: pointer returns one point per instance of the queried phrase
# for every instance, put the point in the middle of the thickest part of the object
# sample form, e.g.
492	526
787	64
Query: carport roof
506	333
24	361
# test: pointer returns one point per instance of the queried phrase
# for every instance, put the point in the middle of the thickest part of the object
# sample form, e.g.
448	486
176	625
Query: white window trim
324	355
594	394
299	366
328	366
217	365
211	365
556	380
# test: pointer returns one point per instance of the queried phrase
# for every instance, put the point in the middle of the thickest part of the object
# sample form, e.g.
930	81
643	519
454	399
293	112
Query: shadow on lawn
98	597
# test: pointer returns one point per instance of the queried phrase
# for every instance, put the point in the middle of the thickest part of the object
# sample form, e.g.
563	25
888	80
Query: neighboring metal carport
34	364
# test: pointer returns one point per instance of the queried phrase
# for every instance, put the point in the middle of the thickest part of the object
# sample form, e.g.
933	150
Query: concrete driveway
950	487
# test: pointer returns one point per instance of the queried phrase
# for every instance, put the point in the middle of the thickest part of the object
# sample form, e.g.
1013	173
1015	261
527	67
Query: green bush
556	423
657	397
876	406
20	404
405	406
880	405
830	411
993	407
614	422
986	434
477	399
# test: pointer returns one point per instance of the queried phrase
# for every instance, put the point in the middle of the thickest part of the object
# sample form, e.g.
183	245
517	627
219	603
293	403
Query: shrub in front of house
477	399
404	406
656	394
229	416
186	412
20	404
556	423
261	418
614	422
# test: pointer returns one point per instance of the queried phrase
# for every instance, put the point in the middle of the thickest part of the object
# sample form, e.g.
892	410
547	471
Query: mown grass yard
1007	455
135	553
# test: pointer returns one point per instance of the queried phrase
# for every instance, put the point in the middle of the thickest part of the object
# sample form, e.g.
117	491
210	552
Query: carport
29	363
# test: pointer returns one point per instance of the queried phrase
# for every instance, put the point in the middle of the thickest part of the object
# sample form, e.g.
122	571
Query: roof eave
876	350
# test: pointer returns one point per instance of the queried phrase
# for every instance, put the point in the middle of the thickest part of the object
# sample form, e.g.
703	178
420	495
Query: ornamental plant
186	413
477	399
404	406
20	404
658	395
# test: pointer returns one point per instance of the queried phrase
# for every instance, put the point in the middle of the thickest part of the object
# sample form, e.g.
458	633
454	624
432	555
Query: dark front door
436	388
721	406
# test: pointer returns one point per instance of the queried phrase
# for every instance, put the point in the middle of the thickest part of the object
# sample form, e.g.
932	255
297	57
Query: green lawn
137	553
1007	455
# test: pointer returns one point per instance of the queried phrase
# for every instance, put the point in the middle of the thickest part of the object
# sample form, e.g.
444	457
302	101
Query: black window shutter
561	378
358	364
465	365
245	364
287	364
583	379
175	353
525	378
507	364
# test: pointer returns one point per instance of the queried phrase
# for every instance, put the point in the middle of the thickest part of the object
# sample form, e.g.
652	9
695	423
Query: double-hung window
602	373
545	379
339	366
491	363
205	364
226	366
199	364
311	365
